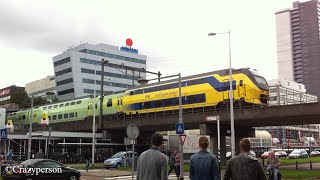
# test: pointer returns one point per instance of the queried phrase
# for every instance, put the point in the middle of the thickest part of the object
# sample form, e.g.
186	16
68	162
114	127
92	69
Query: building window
67	91
124	58
63	61
58	73
66	81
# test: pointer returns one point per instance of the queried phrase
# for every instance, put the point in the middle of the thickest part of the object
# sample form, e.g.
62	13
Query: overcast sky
173	34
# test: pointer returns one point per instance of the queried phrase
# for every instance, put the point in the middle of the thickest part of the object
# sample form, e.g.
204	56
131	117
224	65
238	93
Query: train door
241	89
119	104
90	109
225	89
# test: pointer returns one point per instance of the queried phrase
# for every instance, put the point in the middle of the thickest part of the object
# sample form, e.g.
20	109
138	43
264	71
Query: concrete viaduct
245	120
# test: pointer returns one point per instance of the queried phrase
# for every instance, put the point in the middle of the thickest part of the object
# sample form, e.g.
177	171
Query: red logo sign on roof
129	42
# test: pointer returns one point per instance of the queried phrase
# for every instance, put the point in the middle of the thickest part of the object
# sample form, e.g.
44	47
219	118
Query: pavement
108	174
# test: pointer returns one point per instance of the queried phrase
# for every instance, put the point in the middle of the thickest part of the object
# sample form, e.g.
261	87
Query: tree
21	98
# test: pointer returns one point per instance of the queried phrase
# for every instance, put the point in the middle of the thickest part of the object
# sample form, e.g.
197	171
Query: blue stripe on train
217	85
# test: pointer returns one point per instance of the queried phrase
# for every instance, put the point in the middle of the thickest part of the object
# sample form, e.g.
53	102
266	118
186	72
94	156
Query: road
171	177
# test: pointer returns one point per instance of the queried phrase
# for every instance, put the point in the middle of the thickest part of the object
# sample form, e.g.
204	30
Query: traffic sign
179	128
182	138
133	131
4	134
212	118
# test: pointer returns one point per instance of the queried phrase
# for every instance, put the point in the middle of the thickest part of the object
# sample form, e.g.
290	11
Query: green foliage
21	98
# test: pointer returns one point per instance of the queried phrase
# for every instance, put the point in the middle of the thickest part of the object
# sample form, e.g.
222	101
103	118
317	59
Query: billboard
2	117
190	146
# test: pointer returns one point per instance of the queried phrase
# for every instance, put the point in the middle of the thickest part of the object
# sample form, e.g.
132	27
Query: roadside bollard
310	165
296	165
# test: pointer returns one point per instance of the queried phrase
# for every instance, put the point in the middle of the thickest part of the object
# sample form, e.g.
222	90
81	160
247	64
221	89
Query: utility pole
30	129
101	93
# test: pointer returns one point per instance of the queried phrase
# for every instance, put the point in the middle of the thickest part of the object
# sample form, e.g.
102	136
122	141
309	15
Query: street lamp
230	95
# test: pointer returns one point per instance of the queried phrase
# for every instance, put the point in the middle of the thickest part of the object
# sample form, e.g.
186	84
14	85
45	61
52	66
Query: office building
78	70
6	95
298	44
284	92
41	87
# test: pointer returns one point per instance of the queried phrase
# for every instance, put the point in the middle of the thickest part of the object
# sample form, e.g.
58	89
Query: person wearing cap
203	165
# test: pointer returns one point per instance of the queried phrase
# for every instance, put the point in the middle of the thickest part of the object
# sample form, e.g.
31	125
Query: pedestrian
172	163
87	159
39	154
177	156
203	165
10	155
152	164
245	166
273	164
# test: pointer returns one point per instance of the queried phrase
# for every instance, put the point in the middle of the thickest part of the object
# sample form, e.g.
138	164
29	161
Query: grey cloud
45	30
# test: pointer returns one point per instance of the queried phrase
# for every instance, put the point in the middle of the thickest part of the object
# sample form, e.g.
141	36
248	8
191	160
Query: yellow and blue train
208	90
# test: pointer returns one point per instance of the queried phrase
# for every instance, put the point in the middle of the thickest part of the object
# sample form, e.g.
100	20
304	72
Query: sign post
216	118
133	133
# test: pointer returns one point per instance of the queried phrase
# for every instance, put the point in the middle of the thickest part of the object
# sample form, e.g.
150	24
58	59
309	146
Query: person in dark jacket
172	163
87	159
245	166
203	165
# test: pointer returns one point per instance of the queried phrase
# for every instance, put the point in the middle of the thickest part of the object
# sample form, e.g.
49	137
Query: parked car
315	153
228	155
298	154
67	173
253	153
281	154
119	159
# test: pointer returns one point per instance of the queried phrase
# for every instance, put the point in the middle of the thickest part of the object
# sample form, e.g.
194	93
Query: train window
76	114
54	117
78	102
55	106
49	117
146	105
24	117
61	105
73	103
118	102
121	102
60	116
66	115
44	108
109	103
158	103
241	82
67	104
71	115
20	117
96	106
167	102
50	107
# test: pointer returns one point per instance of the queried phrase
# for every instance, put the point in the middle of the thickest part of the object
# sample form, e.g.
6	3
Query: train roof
223	72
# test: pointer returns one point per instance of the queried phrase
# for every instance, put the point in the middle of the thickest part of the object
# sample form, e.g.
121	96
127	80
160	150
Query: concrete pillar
80	141
46	147
223	148
237	141
214	144
63	149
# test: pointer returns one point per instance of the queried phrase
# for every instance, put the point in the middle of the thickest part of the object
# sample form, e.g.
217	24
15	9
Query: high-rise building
78	70
41	87
298	44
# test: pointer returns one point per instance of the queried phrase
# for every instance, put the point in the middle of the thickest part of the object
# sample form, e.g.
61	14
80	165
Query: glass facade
103	54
